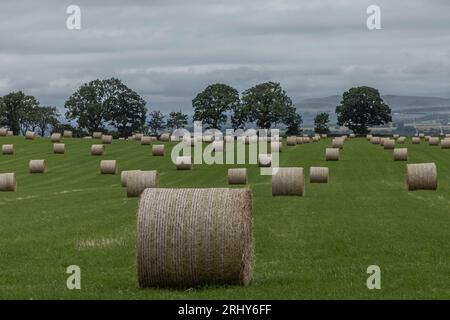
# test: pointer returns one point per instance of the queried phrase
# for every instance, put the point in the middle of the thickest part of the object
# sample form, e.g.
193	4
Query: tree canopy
321	122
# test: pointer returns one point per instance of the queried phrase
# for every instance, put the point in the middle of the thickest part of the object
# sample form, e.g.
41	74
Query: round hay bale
415	140
375	140
276	147
55	137
107	139
237	176
38	166
337	143
108	167
183	163
445	143
97	149
59	148
382	140
401	140
8	149
8	182
389	144
318	174
10	134
421	176
299	140
165	136
421	135
138	136
138	181
158	150
288	181
331	154
3	132
316	139
291	141
264	160
401	154
67	134
368	137
323	135
145	141
29	135
433	141
97	135
427	138
208	242
124	176
217	146
306	140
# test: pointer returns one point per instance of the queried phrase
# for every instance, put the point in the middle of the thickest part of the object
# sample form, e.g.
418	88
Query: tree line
109	106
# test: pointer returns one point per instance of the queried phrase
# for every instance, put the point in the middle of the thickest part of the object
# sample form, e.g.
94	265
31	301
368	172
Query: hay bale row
124	176
331	154
97	149
291	141
165	136
38	166
97	135
401	140
138	181
316	139
158	150
389	144
8	182
445	143
3	132
183	163
288	181
337	143
107	139
59	148
8	149
401	154
433	141
207	242
29	135
375	140
237	176
318	174
276	147
108	167
415	140
146	140
421	176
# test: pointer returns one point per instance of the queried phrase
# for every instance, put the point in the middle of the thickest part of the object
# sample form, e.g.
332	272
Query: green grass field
313	247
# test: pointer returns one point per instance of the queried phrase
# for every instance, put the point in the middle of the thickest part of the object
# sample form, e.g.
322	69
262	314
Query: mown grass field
313	247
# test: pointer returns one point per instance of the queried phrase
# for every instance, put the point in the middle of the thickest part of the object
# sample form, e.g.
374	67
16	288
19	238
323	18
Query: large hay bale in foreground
146	141
158	150
337	143
97	149
264	160
59	148
8	182
331	154
124	176
183	163
108	167
29	135
107	139
445	143
401	154
421	176
433	141
55	137
38	166
67	134
291	141
208	242
97	135
318	174
138	181
288	181
415	140
8	149
237	176
389	144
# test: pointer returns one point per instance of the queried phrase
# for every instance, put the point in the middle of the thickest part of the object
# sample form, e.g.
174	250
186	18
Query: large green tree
47	119
321	122
293	122
266	104
362	107
177	120
156	122
107	102
17	111
212	104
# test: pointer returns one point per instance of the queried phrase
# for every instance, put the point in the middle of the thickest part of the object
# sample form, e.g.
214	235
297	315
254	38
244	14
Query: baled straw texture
368	137
3	132
276	147
421	176
183	163
237	176
306	140
138	136
158	149
97	149
107	139
192	237
137	182
288	181
67	134
97	135
124	176
8	182
55	137
38	166
291	141
375	140
415	140
401	154
264	160
389	144
316	139
445	143
421	135
395	136
401	140
145	141
165	137
331	154
337	143
427	138
318	174
8	149
433	141
29	135
108	167
59	148
299	140
10	133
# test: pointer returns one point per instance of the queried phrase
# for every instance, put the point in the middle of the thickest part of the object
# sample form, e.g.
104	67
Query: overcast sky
169	50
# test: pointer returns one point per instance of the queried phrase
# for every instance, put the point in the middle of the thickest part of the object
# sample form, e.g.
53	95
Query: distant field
311	247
